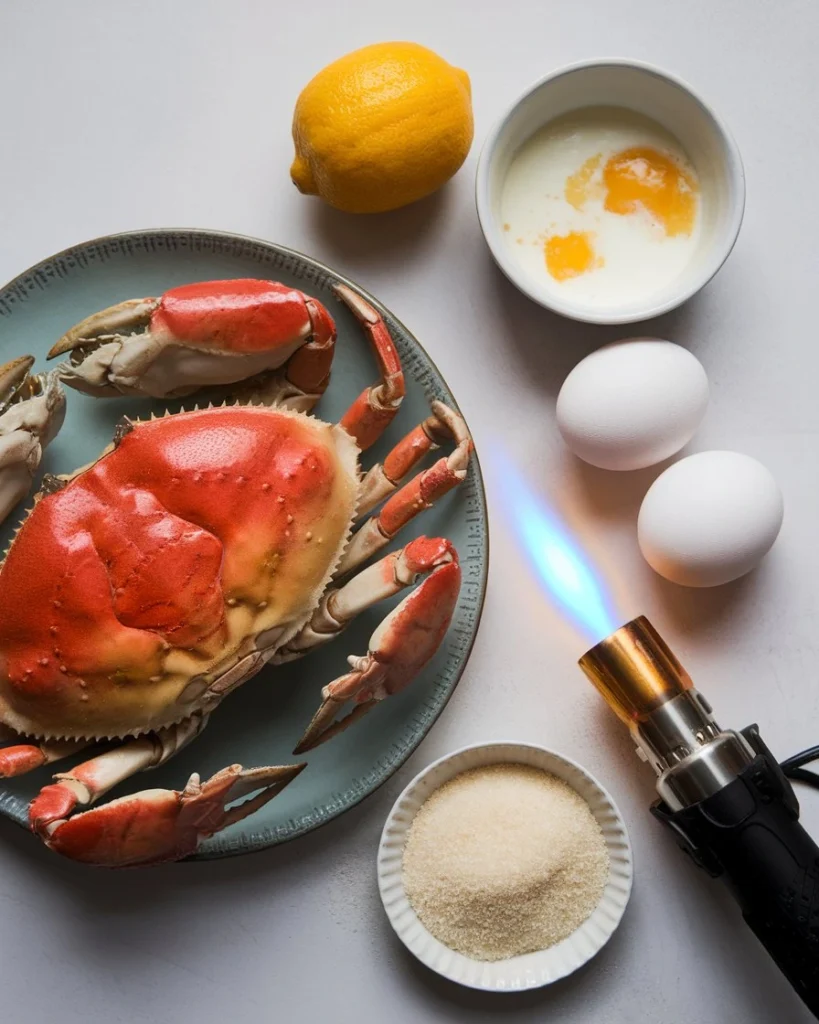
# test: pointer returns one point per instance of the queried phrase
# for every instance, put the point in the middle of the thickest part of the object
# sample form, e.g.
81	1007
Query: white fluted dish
531	970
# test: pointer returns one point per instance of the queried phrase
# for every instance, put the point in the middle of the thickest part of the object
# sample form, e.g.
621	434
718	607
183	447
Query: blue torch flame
561	566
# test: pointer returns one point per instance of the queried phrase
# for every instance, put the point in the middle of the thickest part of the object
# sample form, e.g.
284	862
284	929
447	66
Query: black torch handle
749	833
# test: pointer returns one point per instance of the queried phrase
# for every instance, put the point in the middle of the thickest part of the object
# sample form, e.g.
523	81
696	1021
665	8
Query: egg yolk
578	188
655	181
570	255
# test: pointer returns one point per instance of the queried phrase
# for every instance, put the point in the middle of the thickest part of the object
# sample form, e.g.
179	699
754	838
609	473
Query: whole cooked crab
141	590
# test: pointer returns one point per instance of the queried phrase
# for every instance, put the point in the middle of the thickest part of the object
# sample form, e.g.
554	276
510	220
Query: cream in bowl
604	203
504	866
610	192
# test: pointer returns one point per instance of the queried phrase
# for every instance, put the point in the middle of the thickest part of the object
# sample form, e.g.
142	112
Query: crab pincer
32	410
199	335
155	825
403	642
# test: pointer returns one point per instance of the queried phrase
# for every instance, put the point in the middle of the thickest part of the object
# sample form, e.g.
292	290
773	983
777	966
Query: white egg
709	519
633	403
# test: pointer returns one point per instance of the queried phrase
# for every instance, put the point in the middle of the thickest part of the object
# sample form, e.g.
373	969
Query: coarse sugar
504	859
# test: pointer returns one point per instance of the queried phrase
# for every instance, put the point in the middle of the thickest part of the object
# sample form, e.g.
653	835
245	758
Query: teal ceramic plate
261	722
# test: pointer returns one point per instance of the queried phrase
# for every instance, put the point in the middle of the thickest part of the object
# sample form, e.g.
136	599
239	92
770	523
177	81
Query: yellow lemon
381	127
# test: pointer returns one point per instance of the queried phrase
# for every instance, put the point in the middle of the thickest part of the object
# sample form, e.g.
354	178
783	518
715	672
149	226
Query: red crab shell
129	592
236	316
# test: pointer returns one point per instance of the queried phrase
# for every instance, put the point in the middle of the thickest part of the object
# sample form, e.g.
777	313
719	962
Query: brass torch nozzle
672	725
635	671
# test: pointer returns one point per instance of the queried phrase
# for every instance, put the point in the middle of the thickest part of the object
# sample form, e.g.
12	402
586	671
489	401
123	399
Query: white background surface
125	115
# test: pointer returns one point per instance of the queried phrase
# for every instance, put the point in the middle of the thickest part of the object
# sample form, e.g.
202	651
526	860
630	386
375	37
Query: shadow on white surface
693	608
608	494
396	238
767	996
549	345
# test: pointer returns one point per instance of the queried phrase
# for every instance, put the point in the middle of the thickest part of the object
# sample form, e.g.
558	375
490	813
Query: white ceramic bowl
531	970
652	93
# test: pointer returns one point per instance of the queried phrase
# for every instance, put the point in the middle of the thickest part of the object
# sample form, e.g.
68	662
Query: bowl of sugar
504	866
610	192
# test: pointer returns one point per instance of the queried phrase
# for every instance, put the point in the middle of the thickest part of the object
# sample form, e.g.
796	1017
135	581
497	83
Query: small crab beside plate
145	588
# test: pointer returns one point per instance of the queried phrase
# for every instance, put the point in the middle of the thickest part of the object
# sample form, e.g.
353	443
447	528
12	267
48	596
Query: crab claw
399	648
199	335
32	410
12	375
159	825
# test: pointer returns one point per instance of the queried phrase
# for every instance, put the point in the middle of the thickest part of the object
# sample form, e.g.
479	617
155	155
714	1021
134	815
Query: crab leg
383	478
87	782
308	369
374	409
154	825
419	494
404	641
385	578
25	757
159	825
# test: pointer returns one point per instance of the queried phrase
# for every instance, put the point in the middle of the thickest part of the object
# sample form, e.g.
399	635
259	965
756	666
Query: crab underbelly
128	594
149	362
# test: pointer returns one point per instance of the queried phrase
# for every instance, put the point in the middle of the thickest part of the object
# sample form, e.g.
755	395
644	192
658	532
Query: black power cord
794	768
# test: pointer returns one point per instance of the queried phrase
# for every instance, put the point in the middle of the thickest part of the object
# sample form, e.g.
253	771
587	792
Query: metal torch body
722	793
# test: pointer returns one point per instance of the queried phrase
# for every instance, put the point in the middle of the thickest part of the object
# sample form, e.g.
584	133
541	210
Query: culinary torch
723	794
